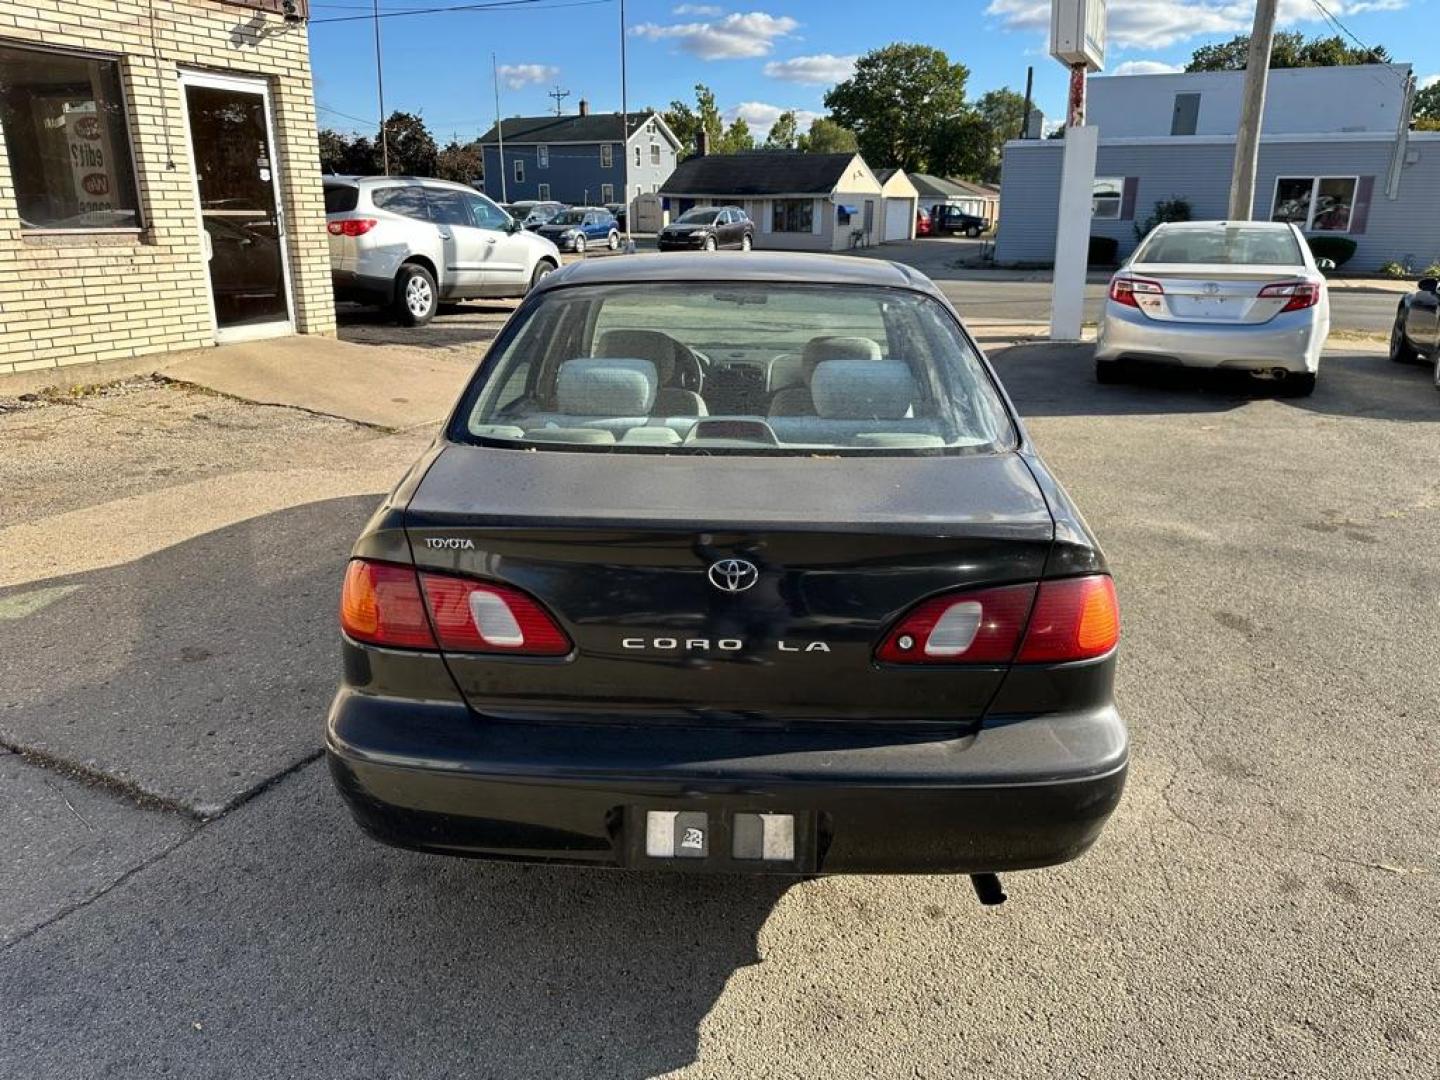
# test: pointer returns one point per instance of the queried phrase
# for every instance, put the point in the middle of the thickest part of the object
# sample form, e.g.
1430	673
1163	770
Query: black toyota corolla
732	563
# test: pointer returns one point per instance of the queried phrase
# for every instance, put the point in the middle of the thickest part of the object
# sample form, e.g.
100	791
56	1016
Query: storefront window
65	135
1106	196
1315	203
793	215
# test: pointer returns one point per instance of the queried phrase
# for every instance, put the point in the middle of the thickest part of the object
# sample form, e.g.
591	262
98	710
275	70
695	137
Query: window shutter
1360	212
1127	198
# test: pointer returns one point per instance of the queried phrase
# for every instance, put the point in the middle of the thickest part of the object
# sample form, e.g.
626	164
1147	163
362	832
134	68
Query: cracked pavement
182	893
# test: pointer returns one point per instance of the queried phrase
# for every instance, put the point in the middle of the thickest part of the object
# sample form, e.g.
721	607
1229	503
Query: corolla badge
733	575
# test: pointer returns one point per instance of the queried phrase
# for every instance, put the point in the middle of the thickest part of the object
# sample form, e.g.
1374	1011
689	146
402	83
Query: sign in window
1315	203
1106	197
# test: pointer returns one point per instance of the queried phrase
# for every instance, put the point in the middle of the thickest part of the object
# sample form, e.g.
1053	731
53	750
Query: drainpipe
1402	139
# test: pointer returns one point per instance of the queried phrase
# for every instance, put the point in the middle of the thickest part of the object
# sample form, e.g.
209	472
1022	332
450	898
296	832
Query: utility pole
499	128
625	137
380	91
1025	117
559	96
1252	110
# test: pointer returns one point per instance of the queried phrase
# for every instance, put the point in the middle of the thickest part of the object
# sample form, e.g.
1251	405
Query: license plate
733	840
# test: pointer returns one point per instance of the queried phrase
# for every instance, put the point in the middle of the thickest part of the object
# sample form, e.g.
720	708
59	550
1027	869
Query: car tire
580	245
613	241
1107	372
1401	351
710	244
1437	370
746	243
543	269
416	297
972	232
1302	385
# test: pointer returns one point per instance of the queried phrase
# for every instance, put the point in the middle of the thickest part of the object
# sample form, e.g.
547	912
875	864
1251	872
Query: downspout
1402	139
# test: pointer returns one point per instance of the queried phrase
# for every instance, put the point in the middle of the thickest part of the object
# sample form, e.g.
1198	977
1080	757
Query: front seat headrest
601	386
820	349
650	345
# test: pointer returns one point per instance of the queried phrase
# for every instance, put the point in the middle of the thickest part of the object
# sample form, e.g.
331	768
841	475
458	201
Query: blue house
580	159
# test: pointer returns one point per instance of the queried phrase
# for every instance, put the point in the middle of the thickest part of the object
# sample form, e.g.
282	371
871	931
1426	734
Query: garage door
899	218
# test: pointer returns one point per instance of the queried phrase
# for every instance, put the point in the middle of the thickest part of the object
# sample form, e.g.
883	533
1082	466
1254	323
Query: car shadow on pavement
455	324
1047	379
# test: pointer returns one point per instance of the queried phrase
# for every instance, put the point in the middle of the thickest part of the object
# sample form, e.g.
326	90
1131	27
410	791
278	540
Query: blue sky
759	59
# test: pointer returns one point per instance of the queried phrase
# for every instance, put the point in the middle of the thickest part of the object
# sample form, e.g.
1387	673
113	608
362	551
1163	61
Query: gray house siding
1406	229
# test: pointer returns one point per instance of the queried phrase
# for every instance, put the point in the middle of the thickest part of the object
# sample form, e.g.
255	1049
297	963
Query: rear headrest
862	390
592	386
650	345
820	349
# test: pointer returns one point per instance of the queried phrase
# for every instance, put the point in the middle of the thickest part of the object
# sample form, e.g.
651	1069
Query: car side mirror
1428	284
1325	264
514	226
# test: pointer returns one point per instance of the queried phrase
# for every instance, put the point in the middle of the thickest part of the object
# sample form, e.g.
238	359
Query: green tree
350	155
964	145
1004	111
1427	103
1290	50
896	100
687	123
827	137
462	162
412	147
737	138
784	132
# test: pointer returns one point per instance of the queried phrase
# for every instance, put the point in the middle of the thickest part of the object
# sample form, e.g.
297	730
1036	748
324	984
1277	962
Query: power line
493	6
1369	49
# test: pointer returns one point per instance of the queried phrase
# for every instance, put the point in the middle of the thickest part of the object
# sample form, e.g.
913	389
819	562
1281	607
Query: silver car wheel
746	243
1437	371
710	244
418	297
613	241
580	245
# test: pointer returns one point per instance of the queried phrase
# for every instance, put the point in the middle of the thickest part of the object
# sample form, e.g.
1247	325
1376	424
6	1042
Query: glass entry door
243	226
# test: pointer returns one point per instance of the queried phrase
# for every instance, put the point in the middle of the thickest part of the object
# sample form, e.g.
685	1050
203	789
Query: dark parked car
532	215
953	220
1415	337
707	228
732	563
618	210
582	227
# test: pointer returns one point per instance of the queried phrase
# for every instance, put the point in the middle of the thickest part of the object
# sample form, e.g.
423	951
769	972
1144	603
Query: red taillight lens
1125	290
1300	294
380	604
350	226
474	616
981	627
1074	619
1054	622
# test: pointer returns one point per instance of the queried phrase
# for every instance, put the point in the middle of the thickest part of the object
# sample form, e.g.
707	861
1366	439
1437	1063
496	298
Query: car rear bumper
1292	340
435	777
362	288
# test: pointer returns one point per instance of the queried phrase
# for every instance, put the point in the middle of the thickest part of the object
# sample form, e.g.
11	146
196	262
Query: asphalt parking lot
1265	902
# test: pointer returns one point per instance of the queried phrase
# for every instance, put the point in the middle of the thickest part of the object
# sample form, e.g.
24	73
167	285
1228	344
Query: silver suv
409	242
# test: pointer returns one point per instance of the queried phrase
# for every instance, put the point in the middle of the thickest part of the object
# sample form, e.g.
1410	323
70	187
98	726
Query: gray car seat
798	400
663	351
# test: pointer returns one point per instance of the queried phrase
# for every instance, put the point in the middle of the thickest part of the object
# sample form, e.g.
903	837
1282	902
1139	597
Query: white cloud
1158	24
699	11
760	116
1427	81
1145	67
517	75
734	37
822	69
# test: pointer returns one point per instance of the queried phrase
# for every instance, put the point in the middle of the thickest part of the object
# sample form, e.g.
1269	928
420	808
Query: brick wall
80	298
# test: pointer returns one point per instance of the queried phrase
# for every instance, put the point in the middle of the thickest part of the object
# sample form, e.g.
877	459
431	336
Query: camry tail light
396	606
1299	294
1125	290
350	226
1052	622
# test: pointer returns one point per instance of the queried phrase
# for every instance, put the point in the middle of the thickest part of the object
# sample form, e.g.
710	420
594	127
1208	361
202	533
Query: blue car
582	227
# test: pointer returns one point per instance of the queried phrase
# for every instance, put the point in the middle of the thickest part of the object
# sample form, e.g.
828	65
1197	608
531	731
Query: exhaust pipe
988	889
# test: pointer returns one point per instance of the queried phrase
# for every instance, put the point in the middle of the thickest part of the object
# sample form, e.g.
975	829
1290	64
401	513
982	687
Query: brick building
159	179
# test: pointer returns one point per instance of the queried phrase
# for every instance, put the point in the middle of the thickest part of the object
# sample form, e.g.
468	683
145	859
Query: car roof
774	266
430	181
1177	226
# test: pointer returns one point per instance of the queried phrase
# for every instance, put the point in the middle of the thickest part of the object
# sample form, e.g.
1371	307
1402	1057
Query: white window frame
517	169
1315	182
654	153
542	192
607	193
542	155
637	155
607	155
1119	182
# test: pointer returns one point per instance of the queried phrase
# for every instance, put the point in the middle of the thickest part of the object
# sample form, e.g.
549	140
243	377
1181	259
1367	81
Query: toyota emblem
733	575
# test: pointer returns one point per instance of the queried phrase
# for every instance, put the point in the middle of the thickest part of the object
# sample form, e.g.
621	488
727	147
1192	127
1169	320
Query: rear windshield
1233	246
341	198
745	368
698	217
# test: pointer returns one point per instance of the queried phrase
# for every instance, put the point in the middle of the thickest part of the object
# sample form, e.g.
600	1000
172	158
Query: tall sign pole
625	199
380	92
499	127
1252	109
1077	40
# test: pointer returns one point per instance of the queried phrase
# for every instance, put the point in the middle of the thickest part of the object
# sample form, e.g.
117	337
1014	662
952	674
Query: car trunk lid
1219	294
619	549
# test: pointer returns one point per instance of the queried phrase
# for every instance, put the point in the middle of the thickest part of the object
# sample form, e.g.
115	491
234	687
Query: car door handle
445	234
490	239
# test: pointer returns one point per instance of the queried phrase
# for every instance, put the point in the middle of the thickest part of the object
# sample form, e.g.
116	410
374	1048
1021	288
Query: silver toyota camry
1242	295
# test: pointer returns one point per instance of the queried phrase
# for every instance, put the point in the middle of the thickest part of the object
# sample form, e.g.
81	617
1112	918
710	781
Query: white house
1336	157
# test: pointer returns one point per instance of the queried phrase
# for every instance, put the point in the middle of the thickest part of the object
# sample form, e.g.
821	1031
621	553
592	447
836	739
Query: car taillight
351	226
476	616
1049	623
1300	294
385	604
1124	290
980	627
380	604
